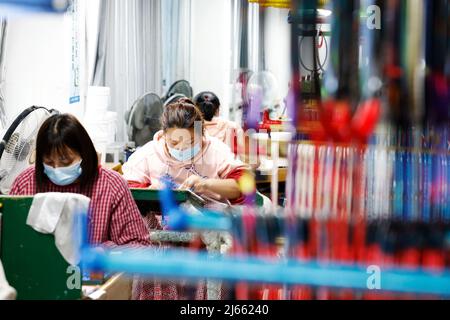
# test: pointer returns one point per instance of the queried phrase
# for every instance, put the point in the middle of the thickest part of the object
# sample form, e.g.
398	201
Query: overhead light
283	3
273	3
323	13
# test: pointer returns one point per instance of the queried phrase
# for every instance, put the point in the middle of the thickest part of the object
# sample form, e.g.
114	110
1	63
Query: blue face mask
185	155
63	176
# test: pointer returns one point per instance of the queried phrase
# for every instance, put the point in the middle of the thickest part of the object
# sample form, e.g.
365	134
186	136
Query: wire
321	66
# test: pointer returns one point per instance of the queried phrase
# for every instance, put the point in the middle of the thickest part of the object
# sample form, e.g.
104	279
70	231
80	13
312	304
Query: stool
116	150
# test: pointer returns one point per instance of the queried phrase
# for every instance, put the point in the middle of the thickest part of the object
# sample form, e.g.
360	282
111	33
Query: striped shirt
114	218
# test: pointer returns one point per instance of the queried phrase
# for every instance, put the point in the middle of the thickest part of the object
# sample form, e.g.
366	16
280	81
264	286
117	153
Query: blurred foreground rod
182	264
23	6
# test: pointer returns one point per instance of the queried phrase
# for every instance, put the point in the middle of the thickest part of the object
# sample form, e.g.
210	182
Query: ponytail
208	103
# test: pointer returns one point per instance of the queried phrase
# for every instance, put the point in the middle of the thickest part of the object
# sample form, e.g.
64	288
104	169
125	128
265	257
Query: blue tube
182	264
415	214
427	172
209	221
408	191
442	185
436	176
170	208
81	227
447	183
44	5
179	220
398	185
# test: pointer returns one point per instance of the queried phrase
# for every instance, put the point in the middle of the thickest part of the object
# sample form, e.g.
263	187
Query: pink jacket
152	161
226	131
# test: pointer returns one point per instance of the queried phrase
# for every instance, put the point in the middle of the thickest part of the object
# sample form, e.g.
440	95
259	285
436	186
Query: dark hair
182	114
58	133
208	103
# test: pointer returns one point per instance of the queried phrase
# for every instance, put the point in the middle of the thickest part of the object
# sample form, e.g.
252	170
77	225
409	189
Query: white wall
278	47
38	64
38	59
92	30
211	48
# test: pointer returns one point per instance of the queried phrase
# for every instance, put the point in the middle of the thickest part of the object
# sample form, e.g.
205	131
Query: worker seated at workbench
67	162
183	154
228	132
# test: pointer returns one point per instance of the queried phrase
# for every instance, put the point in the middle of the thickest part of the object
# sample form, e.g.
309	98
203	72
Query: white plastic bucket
102	128
101	146
98	100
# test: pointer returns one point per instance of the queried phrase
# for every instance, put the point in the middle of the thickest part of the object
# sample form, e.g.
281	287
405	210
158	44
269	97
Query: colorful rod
175	263
50	5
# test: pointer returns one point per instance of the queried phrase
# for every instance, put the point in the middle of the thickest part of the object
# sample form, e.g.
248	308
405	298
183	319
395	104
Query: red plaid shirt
114	218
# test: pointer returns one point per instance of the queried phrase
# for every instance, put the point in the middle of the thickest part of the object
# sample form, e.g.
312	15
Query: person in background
182	154
66	161
227	131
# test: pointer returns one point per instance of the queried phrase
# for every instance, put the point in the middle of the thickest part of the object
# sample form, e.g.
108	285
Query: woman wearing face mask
183	154
187	158
227	131
66	161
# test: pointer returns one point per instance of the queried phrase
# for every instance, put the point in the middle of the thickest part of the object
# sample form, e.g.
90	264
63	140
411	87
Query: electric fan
180	87
143	119
263	97
176	97
18	147
239	103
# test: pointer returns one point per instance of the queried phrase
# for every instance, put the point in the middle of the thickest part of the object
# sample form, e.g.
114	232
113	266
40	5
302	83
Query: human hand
201	187
195	183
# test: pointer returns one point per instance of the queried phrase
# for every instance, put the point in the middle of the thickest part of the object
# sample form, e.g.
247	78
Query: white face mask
185	155
63	176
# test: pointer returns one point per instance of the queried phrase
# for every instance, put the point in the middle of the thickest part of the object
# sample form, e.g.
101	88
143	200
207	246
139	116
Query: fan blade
180	87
